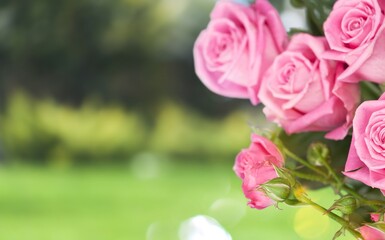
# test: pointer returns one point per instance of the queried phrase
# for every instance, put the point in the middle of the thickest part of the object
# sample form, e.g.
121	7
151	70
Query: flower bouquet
323	87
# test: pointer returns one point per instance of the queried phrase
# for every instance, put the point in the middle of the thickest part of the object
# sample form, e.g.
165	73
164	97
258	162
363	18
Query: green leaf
297	3
317	11
370	91
293	31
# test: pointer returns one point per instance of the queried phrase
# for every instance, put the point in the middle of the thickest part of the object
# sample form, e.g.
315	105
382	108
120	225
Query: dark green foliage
300	143
316	11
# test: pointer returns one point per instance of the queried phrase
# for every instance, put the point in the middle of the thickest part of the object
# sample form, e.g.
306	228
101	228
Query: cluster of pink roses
245	53
305	83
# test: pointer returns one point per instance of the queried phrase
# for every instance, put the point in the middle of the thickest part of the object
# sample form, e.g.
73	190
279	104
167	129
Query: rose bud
318	154
346	205
255	166
277	189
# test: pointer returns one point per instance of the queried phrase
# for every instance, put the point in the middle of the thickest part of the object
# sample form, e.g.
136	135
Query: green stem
334	174
336	181
314	178
371	203
294	202
303	162
333	216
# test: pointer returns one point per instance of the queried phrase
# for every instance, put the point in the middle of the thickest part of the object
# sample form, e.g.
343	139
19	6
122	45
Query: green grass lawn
141	201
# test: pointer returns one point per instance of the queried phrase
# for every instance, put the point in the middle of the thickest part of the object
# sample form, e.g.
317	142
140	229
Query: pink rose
355	32
301	94
236	48
374	231
255	167
366	158
375	217
370	232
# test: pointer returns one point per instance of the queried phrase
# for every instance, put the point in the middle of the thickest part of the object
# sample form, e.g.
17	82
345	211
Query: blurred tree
135	52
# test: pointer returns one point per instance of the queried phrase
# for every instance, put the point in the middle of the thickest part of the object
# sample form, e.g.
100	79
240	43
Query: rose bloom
375	217
355	32
370	232
236	48
301	94
255	166
374	231
366	158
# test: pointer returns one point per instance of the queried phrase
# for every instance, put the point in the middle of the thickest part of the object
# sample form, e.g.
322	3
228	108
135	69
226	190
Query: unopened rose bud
346	205
285	174
277	189
376	217
318	154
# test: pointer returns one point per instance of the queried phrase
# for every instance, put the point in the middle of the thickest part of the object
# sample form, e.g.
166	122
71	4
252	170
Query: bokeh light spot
228	211
310	224
202	228
146	166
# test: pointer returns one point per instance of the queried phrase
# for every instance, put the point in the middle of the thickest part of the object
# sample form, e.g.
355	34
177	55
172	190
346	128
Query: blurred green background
106	132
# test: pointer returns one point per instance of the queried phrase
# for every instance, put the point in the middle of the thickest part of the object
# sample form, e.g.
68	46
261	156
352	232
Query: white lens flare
202	228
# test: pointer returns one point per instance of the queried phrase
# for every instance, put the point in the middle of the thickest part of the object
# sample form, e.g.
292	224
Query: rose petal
371	233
